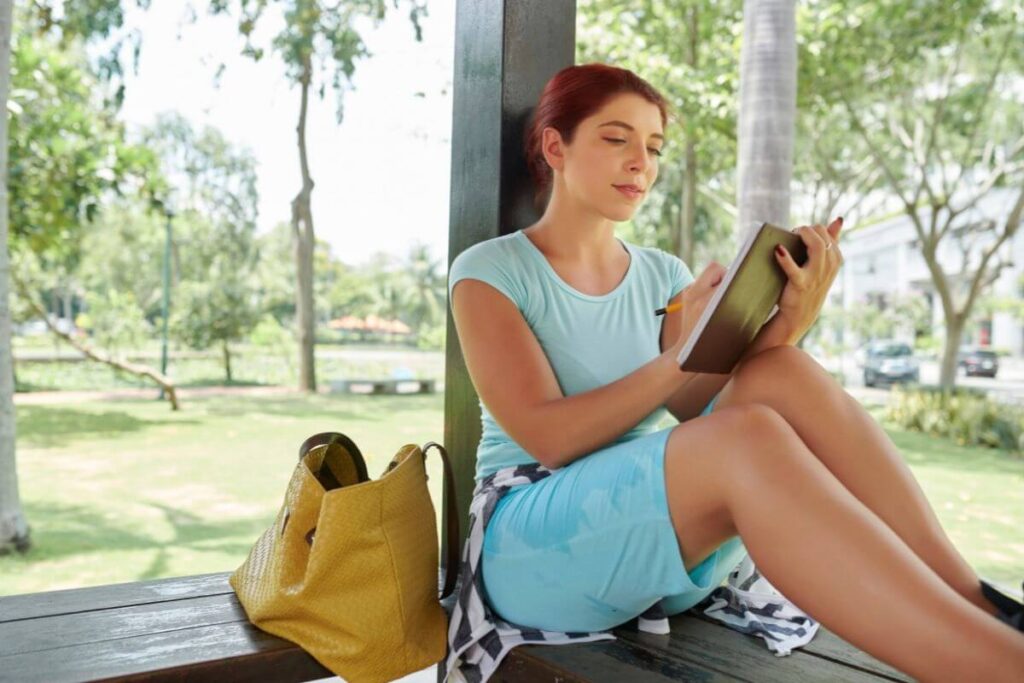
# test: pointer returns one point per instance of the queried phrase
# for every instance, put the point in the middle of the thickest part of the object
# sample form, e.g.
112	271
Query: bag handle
451	519
343	441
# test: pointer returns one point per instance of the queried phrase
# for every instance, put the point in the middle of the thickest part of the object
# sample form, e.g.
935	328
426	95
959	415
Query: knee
777	367
767	440
760	422
778	359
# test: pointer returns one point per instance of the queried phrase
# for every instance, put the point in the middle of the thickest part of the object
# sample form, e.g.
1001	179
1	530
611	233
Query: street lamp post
166	308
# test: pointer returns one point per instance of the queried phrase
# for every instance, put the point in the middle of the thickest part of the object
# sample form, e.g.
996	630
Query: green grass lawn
128	490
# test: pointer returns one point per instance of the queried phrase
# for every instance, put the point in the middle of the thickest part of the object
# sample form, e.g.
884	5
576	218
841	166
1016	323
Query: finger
812	239
826	238
835	227
789	266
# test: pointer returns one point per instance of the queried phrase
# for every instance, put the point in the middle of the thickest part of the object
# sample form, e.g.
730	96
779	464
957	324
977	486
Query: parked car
887	362
976	361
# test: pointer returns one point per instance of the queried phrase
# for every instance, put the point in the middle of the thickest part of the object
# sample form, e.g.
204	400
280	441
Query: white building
883	260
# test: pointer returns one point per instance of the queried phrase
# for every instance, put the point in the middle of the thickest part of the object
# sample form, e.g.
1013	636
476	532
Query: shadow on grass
51	426
62	531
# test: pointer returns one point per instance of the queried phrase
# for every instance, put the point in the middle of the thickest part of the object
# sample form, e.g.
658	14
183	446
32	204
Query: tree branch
134	368
1009	230
984	98
893	181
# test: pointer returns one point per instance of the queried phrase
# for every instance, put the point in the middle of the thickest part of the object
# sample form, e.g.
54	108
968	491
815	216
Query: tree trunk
14	529
954	333
689	212
304	241
227	359
767	114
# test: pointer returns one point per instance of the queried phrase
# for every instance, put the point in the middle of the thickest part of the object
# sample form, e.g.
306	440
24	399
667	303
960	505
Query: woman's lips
632	194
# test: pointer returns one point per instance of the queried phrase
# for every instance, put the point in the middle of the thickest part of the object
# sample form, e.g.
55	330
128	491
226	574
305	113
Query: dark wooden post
505	51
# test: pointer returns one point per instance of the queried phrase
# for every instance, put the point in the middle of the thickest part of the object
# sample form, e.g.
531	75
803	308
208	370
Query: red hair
573	94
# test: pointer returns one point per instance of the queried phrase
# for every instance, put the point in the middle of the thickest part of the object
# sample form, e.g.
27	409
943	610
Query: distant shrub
432	338
966	416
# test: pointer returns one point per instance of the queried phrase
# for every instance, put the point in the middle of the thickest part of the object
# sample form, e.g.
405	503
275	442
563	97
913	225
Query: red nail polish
779	250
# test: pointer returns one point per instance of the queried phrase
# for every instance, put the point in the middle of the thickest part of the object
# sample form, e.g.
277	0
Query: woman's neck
575	236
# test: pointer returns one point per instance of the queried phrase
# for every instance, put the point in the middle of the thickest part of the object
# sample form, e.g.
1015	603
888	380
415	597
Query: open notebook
742	302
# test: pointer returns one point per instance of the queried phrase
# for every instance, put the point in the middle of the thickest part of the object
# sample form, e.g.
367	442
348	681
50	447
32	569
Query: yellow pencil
669	309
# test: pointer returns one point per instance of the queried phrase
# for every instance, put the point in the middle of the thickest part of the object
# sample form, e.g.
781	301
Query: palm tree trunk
767	113
304	241
14	529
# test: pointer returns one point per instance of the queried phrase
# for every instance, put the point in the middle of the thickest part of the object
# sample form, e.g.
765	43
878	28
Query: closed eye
652	149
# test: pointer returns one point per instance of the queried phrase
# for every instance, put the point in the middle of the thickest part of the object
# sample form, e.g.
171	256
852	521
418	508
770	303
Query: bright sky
382	176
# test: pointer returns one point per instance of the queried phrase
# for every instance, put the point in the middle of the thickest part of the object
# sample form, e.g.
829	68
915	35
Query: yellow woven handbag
349	569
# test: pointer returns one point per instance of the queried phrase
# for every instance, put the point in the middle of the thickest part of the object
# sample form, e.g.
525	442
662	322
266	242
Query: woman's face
617	146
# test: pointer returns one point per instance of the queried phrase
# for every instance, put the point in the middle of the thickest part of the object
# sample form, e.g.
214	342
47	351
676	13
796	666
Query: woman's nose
639	162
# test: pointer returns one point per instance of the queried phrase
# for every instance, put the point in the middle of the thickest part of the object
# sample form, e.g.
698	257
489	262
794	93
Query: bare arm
515	381
688	402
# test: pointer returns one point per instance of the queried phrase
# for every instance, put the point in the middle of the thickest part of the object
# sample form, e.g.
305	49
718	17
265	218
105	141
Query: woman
574	372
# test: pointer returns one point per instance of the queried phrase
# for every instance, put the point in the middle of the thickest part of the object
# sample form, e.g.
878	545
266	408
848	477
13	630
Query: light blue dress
592	545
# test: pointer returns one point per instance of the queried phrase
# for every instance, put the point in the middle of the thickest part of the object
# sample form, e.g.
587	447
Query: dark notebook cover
742	302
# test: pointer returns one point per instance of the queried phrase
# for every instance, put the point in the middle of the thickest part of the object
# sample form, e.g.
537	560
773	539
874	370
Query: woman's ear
551	146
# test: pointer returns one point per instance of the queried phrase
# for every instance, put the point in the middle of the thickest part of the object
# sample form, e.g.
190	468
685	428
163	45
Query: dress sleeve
679	273
487	262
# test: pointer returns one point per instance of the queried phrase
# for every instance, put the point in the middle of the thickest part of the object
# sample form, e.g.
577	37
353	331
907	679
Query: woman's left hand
808	286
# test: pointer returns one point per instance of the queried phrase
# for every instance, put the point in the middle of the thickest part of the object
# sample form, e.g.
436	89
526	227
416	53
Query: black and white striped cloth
752	605
478	639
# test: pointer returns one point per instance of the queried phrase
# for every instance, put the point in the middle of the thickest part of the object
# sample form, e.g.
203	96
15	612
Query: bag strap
451	519
343	441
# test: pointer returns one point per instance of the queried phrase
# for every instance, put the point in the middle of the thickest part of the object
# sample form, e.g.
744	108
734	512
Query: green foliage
203	315
698	73
317	37
966	416
92	21
432	337
269	333
115	321
929	345
214	201
67	152
123	251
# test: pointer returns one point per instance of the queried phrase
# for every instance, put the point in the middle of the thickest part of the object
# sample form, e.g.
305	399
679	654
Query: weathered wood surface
183	629
698	649
194	629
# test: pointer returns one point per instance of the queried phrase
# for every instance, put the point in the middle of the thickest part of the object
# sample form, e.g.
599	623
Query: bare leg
826	551
846	439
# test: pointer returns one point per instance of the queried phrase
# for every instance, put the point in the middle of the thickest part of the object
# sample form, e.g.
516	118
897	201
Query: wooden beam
505	52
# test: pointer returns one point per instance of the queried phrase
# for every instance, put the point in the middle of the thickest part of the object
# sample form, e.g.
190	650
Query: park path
49	397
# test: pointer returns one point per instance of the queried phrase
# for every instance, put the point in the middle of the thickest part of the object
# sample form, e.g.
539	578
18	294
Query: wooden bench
193	629
382	386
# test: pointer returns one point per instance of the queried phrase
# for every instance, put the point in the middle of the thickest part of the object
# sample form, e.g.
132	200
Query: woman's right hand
695	299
